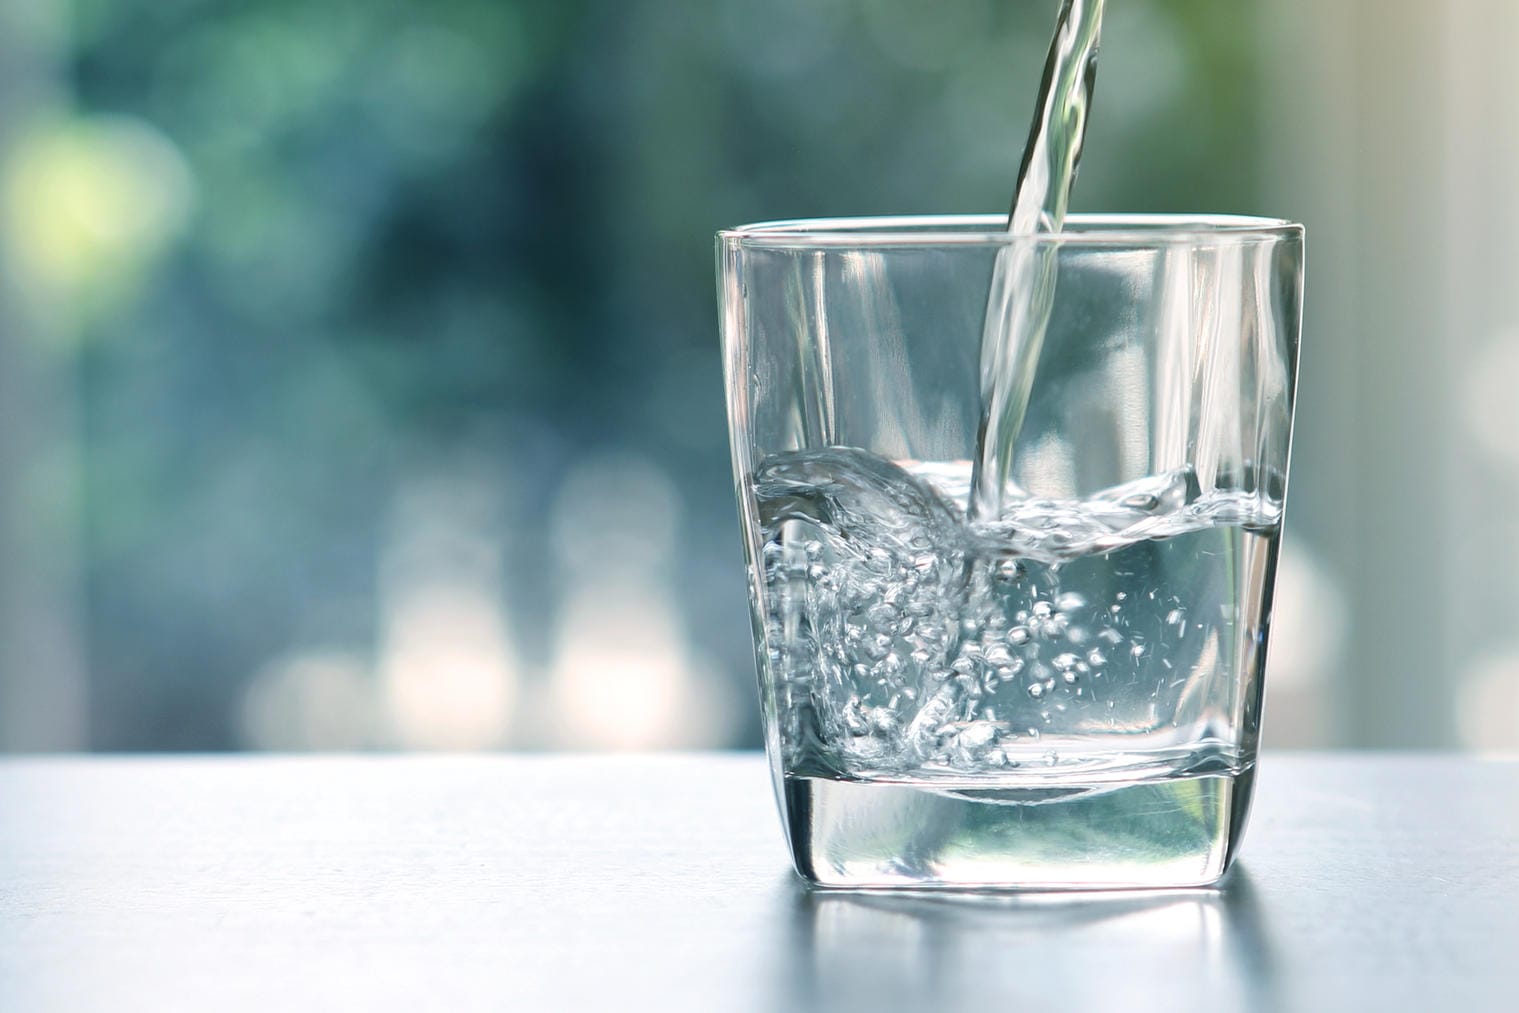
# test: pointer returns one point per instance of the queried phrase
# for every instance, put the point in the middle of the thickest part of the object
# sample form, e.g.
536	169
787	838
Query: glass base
1171	833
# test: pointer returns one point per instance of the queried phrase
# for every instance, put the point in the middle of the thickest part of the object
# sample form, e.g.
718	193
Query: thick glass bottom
1169	833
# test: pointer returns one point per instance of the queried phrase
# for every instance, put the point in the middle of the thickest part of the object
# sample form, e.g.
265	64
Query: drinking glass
1011	604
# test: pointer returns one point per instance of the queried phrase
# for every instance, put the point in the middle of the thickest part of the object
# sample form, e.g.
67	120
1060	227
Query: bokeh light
359	382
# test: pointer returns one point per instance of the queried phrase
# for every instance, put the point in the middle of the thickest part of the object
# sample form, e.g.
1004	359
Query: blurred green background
359	381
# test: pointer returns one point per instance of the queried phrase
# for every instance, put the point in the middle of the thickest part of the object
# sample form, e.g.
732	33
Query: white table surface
1369	881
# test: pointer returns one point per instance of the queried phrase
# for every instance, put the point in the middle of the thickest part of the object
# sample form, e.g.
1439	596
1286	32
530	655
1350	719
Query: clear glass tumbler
1038	663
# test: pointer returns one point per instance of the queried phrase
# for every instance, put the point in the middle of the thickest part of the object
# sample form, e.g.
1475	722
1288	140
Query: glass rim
1099	229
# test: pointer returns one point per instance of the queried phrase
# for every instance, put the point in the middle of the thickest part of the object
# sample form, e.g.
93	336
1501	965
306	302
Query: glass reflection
1130	951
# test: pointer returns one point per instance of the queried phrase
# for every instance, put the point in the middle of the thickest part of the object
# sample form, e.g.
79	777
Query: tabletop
1368	881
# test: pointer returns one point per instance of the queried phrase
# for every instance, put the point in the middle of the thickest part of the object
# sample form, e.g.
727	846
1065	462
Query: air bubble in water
900	606
977	735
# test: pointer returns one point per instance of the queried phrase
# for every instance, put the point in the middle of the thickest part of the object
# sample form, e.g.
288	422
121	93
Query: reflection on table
1123	950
